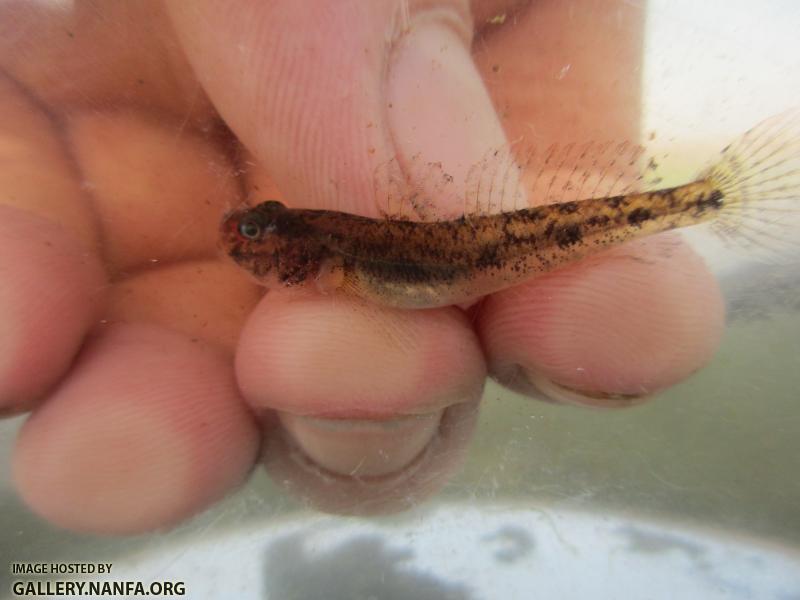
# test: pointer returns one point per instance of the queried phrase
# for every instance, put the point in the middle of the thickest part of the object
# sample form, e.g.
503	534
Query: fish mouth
229	226
258	264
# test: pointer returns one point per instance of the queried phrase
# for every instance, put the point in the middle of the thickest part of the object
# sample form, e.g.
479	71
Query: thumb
327	95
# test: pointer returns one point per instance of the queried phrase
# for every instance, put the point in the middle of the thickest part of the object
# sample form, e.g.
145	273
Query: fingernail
542	388
362	448
441	117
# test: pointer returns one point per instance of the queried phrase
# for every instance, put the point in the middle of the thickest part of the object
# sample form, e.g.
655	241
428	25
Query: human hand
118	170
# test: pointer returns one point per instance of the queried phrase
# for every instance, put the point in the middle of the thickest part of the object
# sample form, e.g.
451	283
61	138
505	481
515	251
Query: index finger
321	107
349	89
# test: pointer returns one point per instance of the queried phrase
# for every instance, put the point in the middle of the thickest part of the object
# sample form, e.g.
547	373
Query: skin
154	373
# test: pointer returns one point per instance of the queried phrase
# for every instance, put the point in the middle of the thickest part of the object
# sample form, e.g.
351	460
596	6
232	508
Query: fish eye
250	230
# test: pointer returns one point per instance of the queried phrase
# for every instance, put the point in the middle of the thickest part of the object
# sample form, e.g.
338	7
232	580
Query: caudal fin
759	175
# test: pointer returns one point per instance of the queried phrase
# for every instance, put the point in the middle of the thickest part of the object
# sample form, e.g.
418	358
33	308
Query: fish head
266	240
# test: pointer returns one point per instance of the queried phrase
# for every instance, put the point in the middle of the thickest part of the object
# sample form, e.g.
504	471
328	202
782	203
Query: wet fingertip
391	492
359	447
538	387
147	430
442	138
612	331
51	291
190	169
204	299
345	359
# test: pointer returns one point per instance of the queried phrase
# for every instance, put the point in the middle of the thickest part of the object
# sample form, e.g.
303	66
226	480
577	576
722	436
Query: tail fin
759	175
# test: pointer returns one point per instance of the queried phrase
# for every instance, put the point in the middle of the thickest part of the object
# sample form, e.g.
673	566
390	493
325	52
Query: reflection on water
453	551
766	292
512	543
360	567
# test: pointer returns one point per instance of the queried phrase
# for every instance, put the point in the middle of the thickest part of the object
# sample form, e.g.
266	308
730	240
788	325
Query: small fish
428	264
